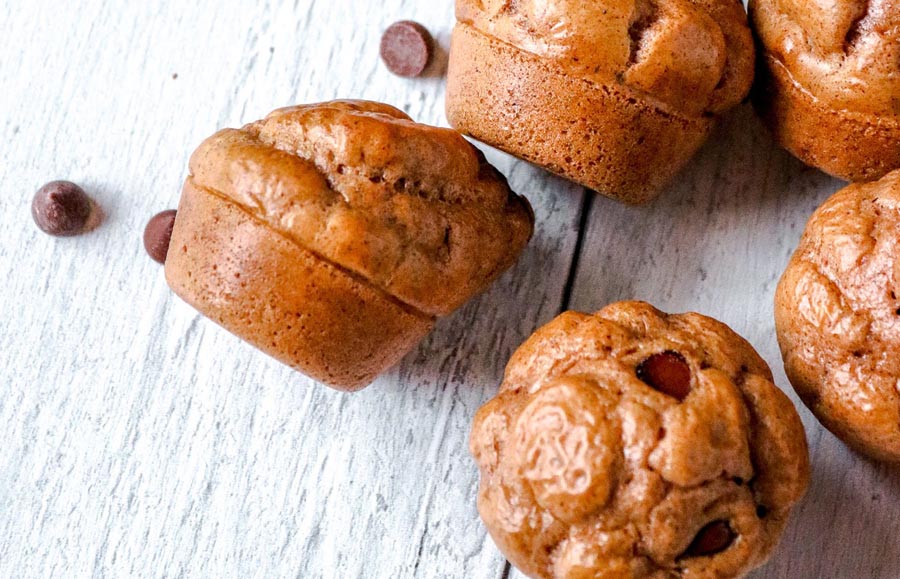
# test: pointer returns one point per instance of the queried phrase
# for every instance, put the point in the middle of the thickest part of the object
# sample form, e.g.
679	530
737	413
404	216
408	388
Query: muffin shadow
471	347
847	498
440	57
740	191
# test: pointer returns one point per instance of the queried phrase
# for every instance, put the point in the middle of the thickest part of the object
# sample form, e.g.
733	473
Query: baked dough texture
829	82
590	470
837	312
331	236
614	94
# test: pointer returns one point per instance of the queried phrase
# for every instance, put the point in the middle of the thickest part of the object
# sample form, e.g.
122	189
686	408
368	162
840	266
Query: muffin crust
591	467
829	82
837	312
598	92
349	217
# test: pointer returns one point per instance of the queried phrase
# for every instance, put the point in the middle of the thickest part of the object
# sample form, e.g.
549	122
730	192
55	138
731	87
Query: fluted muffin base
602	136
847	145
283	299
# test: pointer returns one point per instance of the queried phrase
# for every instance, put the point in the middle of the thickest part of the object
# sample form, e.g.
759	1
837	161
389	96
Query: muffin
837	312
631	443
331	236
829	82
617	95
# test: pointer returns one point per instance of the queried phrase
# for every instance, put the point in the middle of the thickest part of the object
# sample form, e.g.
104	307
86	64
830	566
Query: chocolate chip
407	48
667	372
711	539
62	209
158	233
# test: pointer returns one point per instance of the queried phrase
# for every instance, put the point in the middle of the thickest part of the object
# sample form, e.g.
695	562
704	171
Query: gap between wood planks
585	208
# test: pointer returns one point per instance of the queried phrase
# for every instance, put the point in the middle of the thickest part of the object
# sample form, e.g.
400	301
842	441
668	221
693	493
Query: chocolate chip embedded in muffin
62	209
837	312
713	538
158	234
407	48
332	236
631	443
668	372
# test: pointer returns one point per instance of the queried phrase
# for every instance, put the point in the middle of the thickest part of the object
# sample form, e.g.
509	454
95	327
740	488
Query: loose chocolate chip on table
407	48
711	539
62	209
158	233
667	372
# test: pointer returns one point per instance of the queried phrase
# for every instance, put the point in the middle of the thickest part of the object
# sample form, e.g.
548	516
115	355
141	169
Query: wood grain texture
717	242
143	441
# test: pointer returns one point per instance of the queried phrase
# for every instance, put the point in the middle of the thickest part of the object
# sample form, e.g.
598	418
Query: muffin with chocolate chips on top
631	443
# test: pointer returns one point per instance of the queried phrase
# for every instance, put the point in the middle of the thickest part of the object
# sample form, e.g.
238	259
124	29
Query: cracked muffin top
693	56
631	443
838	316
415	210
845	52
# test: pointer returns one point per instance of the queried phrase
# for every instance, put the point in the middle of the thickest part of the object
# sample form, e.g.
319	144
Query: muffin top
415	210
687	56
838	314
638	444
845	52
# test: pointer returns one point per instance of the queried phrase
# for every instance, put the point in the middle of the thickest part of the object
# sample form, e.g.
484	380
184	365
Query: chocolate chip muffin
829	82
631	443
614	95
331	236
837	311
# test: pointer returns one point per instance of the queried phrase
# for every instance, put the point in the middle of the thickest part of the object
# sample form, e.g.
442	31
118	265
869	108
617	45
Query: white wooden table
140	440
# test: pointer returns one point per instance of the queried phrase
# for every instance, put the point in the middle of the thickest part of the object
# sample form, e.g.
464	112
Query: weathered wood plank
717	243
140	439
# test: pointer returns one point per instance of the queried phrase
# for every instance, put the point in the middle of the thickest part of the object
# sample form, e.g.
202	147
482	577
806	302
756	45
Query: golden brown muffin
631	443
829	82
837	311
615	95
331	236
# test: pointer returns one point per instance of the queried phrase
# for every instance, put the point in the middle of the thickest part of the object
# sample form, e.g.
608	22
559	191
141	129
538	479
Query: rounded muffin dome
692	56
414	209
837	312
631	443
829	87
845	52
598	92
332	236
